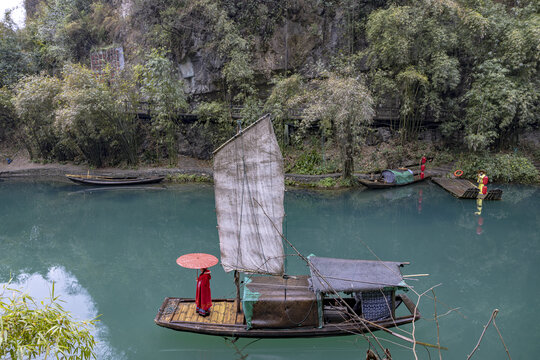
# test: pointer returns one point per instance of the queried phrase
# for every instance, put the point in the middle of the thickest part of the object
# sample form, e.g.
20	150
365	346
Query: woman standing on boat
203	297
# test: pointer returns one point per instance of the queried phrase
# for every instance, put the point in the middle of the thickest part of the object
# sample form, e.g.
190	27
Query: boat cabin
336	290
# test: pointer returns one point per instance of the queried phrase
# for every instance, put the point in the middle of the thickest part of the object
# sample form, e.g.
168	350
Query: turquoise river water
112	252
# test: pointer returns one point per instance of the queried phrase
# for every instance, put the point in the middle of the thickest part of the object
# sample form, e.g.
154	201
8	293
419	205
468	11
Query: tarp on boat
329	274
277	302
397	176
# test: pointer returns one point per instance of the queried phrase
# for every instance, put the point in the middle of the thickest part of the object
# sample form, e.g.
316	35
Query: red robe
203	298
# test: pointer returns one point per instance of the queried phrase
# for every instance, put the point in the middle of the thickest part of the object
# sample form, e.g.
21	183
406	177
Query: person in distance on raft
203	297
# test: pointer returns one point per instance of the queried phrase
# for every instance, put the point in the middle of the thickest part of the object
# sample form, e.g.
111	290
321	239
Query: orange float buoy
458	173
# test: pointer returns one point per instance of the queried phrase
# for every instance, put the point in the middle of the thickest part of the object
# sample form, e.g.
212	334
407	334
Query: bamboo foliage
344	107
29	329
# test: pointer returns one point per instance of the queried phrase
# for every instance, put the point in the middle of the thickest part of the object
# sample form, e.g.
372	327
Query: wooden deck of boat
223	313
464	189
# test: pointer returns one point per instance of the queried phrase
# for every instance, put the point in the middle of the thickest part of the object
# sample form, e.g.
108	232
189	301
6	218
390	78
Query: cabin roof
329	274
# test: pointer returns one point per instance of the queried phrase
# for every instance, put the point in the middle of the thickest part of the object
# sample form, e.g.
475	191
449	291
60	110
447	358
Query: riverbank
186	170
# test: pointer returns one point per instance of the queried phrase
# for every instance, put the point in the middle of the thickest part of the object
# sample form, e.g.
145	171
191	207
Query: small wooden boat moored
375	184
464	189
113	181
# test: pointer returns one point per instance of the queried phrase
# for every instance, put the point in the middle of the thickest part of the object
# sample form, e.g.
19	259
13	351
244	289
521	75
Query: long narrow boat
464	189
375	184
339	297
224	320
113	181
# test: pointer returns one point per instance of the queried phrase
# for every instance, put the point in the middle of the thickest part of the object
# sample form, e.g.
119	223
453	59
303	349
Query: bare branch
492	318
500	336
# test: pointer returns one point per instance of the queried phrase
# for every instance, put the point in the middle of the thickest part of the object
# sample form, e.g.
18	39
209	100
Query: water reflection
478	212
73	298
117	250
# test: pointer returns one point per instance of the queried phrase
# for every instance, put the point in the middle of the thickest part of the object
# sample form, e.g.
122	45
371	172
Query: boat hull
179	314
382	185
105	181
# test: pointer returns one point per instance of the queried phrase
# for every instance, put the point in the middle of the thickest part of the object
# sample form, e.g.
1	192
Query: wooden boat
113	181
338	297
224	320
464	189
376	184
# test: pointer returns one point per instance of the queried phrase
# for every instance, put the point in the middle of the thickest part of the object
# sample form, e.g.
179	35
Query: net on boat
249	189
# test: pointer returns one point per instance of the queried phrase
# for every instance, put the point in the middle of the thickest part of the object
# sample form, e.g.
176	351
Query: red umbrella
197	261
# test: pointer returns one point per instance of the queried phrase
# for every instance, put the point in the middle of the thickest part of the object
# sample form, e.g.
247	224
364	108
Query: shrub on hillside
310	162
504	168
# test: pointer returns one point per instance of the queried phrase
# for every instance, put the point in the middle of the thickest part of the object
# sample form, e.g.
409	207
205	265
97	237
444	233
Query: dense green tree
473	66
35	103
343	106
61	31
215	118
96	115
161	85
8	117
14	63
281	102
503	98
412	52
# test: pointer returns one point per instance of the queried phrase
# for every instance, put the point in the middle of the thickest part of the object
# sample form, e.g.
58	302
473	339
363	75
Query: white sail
249	189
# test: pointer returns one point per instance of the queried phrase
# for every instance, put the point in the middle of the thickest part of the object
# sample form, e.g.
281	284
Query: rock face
378	136
530	139
280	35
299	36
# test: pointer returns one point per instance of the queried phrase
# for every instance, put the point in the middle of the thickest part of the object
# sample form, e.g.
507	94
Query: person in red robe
203	297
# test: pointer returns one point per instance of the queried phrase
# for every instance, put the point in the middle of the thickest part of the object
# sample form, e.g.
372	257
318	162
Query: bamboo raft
464	189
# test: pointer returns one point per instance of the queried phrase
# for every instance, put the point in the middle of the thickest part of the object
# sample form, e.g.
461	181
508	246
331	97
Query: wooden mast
237	283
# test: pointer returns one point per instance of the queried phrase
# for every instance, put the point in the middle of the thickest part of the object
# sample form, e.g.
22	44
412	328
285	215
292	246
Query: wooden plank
169	310
219	312
464	189
458	187
183	312
191	314
214	312
230	315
